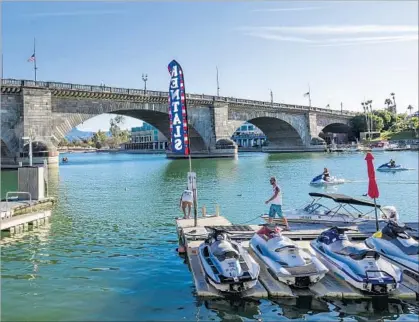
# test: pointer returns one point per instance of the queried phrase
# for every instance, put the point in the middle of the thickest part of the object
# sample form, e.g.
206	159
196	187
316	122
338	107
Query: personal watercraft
286	261
361	267
227	265
319	181
386	167
396	245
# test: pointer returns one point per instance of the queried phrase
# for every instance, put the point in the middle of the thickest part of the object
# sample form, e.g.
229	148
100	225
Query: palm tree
410	108
394	102
365	107
388	102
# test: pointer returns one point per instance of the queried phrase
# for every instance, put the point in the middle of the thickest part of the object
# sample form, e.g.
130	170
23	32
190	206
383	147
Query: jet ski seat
356	252
223	249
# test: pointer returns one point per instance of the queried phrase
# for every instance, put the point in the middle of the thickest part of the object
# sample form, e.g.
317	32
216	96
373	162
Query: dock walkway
268	286
16	216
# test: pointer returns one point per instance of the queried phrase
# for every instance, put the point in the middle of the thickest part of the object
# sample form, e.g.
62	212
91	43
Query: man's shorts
275	209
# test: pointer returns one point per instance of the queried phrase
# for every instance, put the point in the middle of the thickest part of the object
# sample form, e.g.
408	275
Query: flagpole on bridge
34	55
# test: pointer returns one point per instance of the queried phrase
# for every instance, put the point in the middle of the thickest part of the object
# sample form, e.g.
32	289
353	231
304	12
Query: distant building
249	135
145	137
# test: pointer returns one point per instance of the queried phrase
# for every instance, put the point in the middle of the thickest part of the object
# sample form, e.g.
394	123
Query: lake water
109	251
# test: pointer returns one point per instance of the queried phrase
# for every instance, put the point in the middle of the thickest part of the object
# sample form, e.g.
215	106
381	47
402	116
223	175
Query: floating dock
19	216
332	287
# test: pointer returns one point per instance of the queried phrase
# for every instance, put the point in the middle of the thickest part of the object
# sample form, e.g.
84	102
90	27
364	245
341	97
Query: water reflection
310	309
375	309
232	309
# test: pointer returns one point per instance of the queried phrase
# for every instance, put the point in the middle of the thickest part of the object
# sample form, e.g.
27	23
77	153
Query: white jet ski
359	266
227	265
318	181
396	245
286	261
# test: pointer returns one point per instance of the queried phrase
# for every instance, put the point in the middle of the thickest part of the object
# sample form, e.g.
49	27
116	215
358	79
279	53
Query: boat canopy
339	198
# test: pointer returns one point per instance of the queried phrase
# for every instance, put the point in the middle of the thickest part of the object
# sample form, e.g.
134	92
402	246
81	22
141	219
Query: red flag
372	184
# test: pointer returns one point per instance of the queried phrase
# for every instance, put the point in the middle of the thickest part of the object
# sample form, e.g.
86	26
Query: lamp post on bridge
272	97
145	78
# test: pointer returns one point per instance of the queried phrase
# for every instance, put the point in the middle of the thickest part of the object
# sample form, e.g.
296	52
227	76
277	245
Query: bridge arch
279	133
336	132
5	150
282	129
160	120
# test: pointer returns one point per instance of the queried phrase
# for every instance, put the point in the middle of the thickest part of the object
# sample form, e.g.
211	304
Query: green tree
410	108
99	139
386	116
377	122
388	102
64	142
118	136
358	124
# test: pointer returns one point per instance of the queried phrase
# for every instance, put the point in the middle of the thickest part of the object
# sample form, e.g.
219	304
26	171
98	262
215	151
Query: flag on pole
306	94
178	113
32	58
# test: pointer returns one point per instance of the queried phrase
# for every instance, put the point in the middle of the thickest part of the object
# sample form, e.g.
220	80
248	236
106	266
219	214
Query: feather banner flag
178	116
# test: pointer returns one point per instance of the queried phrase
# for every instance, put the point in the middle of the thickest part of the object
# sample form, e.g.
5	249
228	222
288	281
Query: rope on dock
258	216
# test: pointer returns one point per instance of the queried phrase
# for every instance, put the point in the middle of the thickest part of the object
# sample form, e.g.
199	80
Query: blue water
108	253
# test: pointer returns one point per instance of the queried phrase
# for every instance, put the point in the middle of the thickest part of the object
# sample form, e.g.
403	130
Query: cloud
286	9
370	41
348	29
322	36
332	42
279	37
73	13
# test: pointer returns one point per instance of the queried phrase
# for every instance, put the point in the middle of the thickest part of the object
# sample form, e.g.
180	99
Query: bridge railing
129	91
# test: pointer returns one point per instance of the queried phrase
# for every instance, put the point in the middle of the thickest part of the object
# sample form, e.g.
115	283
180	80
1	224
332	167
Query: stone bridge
49	110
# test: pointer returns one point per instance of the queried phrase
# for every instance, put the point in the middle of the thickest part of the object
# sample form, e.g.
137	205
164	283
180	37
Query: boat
343	212
382	146
395	244
318	181
386	167
361	267
227	265
284	260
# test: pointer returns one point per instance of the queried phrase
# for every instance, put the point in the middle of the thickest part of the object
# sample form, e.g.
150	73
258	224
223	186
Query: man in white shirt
276	205
186	200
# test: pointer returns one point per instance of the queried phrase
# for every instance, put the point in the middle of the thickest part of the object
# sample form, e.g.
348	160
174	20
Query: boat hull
300	216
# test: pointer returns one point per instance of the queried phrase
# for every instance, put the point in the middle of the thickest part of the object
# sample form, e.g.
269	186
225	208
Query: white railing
8	212
201	97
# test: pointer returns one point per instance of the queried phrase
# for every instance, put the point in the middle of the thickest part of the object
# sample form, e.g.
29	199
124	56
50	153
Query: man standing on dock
276	205
186	200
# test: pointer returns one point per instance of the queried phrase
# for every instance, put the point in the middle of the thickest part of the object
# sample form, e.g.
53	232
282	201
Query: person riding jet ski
392	163
326	175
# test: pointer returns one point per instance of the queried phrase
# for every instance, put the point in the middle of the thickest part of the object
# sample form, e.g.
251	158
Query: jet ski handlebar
219	231
343	229
401	227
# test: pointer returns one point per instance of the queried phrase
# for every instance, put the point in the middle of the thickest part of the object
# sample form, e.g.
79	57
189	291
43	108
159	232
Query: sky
345	51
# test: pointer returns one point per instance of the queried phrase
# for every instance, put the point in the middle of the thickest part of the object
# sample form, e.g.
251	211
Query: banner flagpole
179	125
